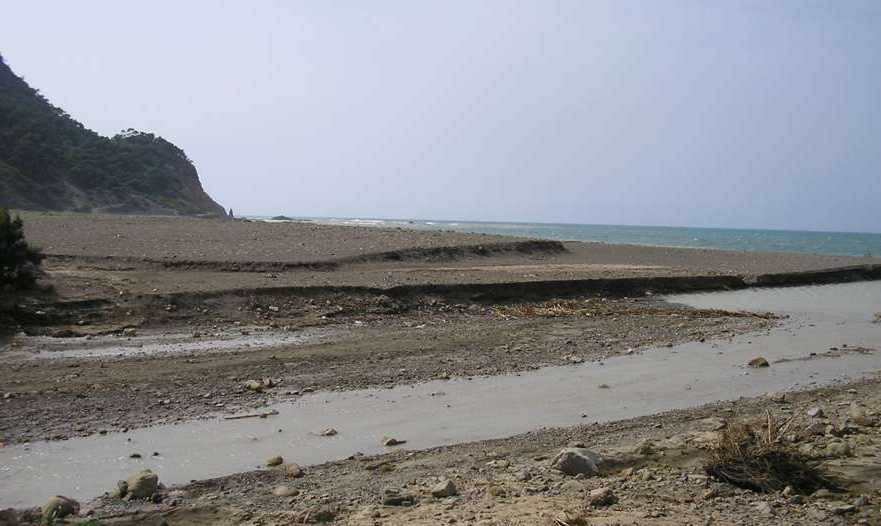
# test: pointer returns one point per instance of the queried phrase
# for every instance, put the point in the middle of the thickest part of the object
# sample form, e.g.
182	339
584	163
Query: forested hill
49	161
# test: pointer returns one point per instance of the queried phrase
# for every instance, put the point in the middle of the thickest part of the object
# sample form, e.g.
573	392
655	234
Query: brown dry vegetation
760	458
602	307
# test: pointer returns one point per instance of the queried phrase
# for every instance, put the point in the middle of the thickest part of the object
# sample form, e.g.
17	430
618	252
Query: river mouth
855	302
446	412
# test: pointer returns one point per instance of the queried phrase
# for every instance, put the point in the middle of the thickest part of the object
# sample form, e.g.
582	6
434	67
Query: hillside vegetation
49	161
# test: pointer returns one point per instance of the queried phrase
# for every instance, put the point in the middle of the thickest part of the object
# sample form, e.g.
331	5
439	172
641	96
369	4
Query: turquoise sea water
836	243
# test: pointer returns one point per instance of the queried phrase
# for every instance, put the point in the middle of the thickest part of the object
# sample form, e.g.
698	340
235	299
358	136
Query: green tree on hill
49	161
19	263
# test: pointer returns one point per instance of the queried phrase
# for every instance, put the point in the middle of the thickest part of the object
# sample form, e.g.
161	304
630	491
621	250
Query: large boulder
59	507
577	461
142	485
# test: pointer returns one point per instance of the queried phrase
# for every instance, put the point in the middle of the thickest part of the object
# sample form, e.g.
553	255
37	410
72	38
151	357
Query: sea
831	243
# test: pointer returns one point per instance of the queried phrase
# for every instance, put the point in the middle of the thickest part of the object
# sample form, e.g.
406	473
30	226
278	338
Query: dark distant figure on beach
231	215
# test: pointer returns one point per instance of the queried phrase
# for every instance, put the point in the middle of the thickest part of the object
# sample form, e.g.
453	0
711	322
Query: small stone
121	489
764	508
602	497
575	461
391	441
571	518
329	432
293	471
254	385
822	493
816	412
398	499
496	491
59	507
758	362
142	485
777	397
523	475
646	448
445	488
814	429
645	474
499	464
284	491
858	415
274	461
838	449
320	514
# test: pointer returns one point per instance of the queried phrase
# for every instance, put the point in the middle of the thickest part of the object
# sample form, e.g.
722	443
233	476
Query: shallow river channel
446	412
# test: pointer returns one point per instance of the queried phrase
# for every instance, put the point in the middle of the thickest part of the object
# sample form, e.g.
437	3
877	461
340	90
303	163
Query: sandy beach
160	321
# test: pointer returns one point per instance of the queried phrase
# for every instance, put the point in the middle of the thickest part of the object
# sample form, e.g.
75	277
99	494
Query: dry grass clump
600	307
760	459
546	310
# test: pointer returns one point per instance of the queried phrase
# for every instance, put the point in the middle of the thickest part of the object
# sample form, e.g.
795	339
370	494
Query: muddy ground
95	256
342	293
55	398
213	240
654	468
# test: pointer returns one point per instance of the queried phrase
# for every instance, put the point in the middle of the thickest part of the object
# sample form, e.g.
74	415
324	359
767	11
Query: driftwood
252	415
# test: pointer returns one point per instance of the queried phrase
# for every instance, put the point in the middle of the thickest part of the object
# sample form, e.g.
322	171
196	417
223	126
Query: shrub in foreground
19	263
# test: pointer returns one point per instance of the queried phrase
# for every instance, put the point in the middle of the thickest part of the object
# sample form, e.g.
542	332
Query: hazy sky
739	114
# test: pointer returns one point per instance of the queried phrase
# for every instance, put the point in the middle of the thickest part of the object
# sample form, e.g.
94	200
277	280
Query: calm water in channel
446	412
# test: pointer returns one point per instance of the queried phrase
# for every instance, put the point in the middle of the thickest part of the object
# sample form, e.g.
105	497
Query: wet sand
211	240
446	412
80	385
95	256
163	321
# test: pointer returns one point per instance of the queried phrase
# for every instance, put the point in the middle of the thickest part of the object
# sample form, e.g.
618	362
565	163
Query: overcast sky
735	114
